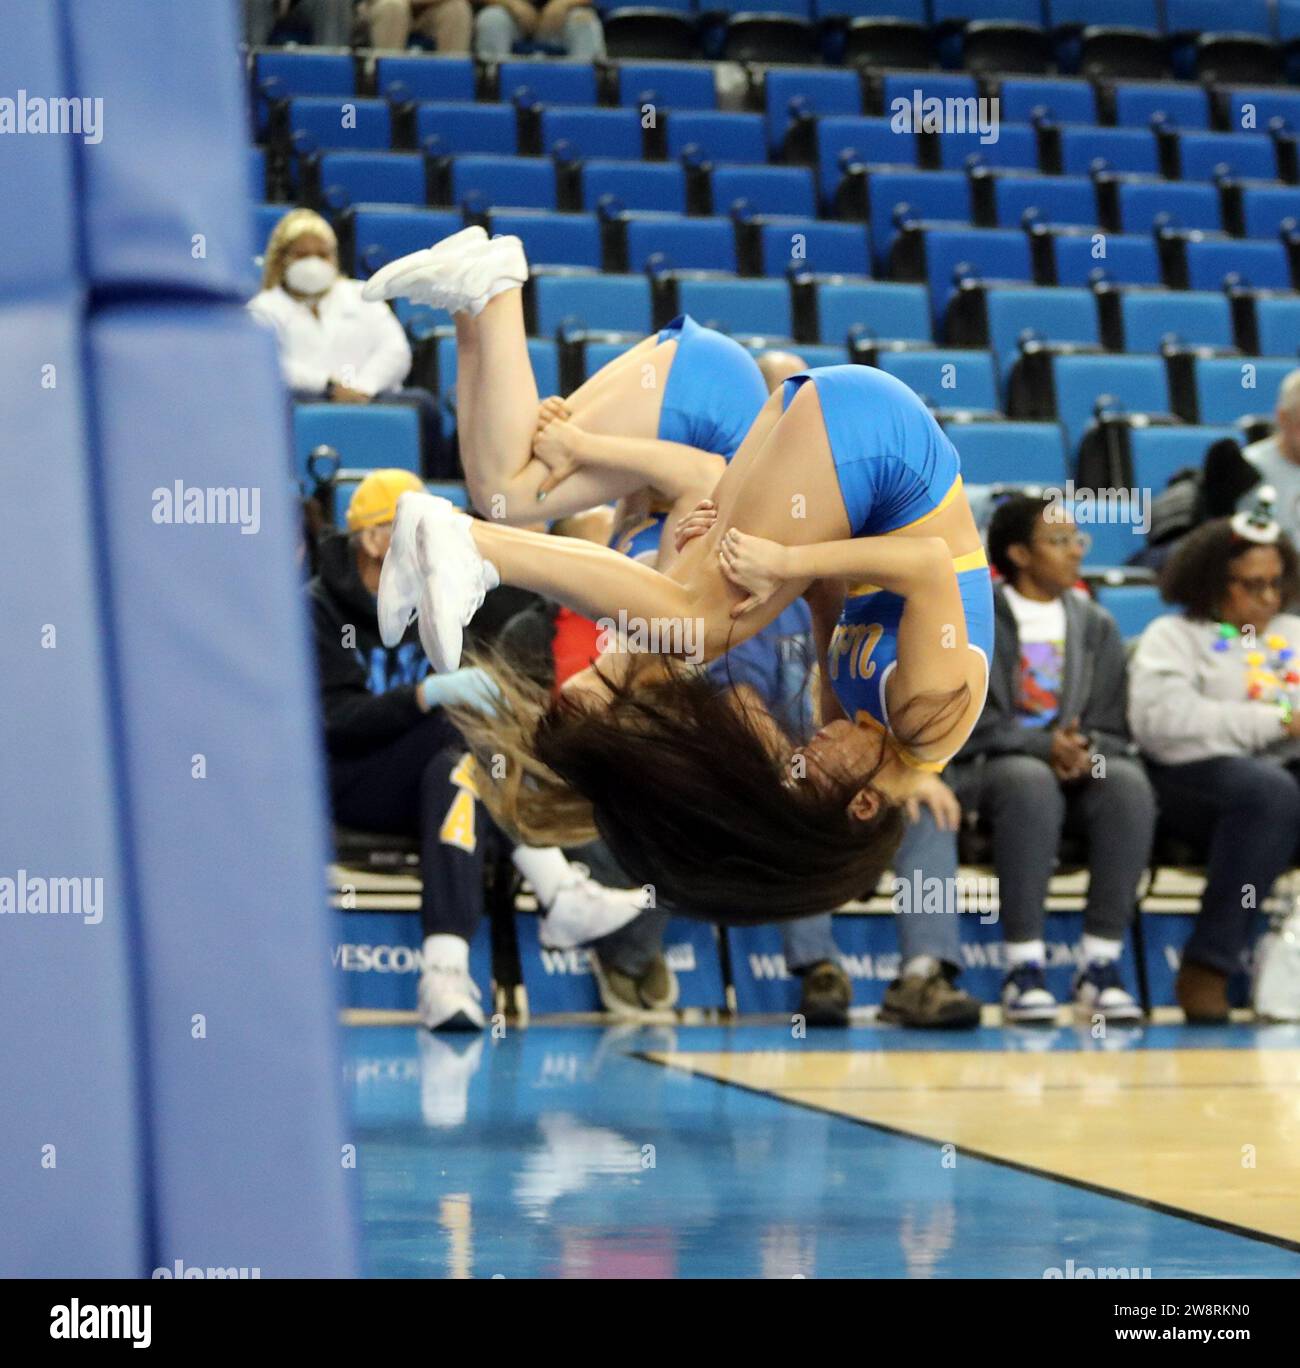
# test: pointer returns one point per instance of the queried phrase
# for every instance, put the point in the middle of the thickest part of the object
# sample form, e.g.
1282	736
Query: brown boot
1202	993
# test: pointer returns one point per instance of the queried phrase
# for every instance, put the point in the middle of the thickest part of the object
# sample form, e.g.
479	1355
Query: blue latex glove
473	687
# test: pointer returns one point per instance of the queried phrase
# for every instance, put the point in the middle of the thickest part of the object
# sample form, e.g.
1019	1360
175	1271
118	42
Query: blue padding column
166	188
222	736
71	1149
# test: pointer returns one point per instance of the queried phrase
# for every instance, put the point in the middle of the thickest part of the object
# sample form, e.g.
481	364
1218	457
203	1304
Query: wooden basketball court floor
741	1151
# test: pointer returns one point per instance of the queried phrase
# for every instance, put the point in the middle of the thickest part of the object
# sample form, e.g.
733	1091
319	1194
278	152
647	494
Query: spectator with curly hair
1212	694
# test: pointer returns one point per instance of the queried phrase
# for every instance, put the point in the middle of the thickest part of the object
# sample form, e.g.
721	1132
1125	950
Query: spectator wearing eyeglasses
1051	753
1213	705
1277	458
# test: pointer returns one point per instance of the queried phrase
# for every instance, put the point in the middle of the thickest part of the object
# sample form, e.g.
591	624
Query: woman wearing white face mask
333	343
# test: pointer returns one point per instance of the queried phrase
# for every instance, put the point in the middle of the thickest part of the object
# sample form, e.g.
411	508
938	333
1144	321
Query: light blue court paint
558	1152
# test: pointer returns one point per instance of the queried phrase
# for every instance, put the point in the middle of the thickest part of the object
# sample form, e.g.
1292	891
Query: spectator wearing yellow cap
398	765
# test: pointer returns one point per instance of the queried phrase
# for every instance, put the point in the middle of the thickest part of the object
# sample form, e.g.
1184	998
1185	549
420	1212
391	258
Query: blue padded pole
72	1141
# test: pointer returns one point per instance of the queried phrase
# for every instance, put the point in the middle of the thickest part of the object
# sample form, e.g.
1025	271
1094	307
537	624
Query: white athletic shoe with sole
583	911
486	269
402	576
421	276
457	580
449	997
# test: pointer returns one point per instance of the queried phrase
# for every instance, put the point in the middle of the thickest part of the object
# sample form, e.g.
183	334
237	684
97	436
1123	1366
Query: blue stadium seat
1063	314
665	85
812	354
554	239
1014	149
1130	150
1208	16
1182	106
1159	453
1138	384
542	354
1278	321
814	245
807	89
1247	156
1128	259
1009	453
1228	388
701	244
597	355
1141	203
767	189
1189	318
871	142
914	11
592	132
929	196
366	436
1068	200
946	379
1266	207
660	186
521	182
1254	110
604	303
257	172
1116	13
265	217
961	11
717	137
454	129
283	74
1133	606
372	178
324	122
884	310
425	78
975	253
1112	543
383	233
1059	102
759	307
548	81
1262	265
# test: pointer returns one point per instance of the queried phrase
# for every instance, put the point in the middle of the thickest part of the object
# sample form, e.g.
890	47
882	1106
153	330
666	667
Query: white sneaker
1099	991
486	269
420	276
458	580
583	910
402	576
1025	999
449	1000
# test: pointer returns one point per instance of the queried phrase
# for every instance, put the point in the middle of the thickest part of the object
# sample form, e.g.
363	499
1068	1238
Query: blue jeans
928	853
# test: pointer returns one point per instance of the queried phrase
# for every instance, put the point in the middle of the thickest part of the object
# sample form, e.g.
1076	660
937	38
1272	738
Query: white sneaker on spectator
583	911
1098	991
456	578
449	997
1025	999
422	276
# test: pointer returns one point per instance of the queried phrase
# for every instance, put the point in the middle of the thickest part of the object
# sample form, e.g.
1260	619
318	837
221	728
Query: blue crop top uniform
896	468
713	394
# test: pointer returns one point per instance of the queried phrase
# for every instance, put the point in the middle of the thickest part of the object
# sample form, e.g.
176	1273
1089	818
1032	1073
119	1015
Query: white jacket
1188	701
358	343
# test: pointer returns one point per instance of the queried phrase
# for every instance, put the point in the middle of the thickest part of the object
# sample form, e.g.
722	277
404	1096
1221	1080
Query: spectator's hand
695	524
939	798
1071	757
471	687
344	394
752	563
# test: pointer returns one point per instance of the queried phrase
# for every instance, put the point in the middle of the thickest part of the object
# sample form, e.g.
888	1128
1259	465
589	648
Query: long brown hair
685	789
